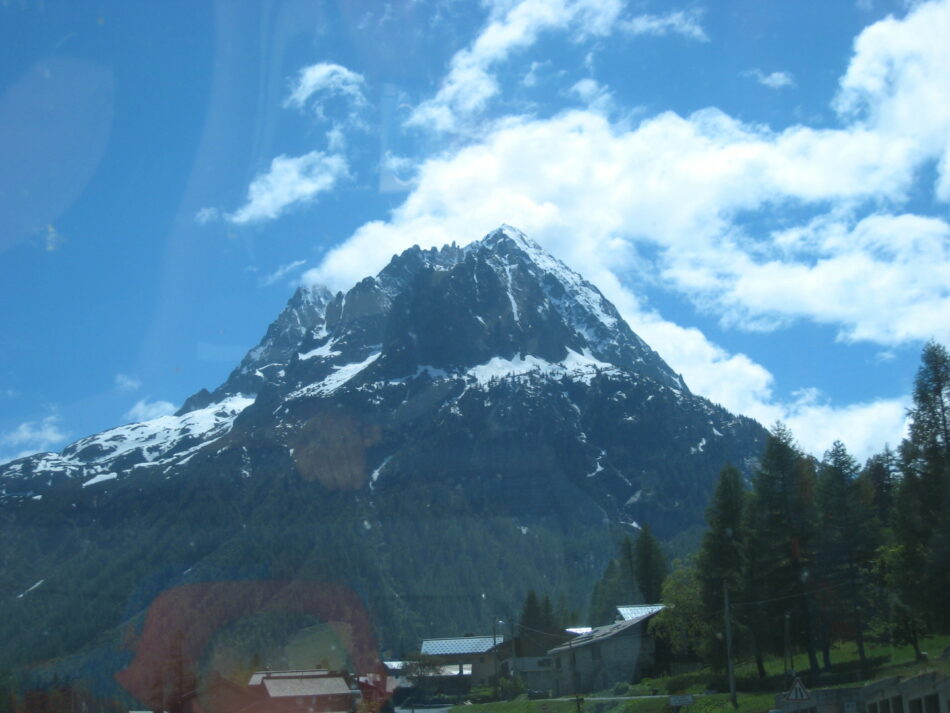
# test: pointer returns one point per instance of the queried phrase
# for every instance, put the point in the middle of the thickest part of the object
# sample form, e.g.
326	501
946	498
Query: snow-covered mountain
463	318
467	411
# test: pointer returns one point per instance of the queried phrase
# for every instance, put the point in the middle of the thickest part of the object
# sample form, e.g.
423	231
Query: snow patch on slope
159	436
580	366
325	351
100	478
21	594
340	375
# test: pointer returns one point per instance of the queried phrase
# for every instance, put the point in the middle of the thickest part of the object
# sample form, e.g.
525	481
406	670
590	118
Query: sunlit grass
755	695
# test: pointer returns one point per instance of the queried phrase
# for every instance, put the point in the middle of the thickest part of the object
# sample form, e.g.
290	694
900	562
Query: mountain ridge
470	422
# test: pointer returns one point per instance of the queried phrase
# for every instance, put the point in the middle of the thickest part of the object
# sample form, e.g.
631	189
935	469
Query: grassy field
717	703
755	695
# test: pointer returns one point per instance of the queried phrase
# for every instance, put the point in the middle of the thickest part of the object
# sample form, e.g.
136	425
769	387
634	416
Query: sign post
676	702
798	692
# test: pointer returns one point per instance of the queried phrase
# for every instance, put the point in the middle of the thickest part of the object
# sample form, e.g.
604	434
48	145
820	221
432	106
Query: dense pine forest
817	552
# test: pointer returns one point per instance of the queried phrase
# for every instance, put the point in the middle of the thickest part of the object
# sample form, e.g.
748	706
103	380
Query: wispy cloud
596	96
282	272
32	437
207	215
125	382
289	180
530	79
470	83
145	410
685	23
52	239
318	81
773	80
396	173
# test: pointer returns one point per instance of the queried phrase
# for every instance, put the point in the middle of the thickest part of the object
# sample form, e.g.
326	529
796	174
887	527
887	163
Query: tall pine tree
778	549
846	543
922	521
650	565
719	563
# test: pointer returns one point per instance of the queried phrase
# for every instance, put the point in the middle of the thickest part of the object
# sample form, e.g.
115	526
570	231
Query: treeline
634	577
811	553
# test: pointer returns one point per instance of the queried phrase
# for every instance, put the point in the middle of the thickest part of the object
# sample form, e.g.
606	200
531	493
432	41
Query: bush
481	694
678	684
510	688
621	688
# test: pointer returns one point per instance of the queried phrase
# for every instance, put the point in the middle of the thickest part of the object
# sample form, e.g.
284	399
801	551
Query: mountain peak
509	232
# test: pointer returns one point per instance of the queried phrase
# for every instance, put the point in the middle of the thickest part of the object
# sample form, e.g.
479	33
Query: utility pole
494	641
731	668
789	658
577	697
515	646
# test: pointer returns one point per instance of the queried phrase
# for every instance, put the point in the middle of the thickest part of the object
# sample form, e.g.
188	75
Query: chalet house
605	655
302	691
313	691
471	656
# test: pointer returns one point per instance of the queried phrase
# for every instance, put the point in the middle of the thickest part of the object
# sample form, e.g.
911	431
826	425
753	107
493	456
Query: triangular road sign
798	691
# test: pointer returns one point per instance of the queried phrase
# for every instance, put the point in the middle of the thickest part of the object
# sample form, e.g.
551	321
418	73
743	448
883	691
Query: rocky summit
470	422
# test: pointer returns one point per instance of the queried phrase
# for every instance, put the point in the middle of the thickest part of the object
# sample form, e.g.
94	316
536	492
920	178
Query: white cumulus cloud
290	180
32	437
145	410
594	193
896	84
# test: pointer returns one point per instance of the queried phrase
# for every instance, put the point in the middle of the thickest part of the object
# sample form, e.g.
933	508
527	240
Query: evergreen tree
778	548
922	528
606	596
529	641
847	540
650	565
550	624
618	585
719	562
881	476
629	590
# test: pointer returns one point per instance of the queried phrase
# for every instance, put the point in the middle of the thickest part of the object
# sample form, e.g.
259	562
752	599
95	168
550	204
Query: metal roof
600	633
257	678
283	687
460	645
638	611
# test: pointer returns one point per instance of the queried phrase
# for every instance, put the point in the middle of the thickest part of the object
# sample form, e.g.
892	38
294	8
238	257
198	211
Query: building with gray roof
618	652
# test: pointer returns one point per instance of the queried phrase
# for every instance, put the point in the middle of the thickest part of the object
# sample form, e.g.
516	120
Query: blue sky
761	188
